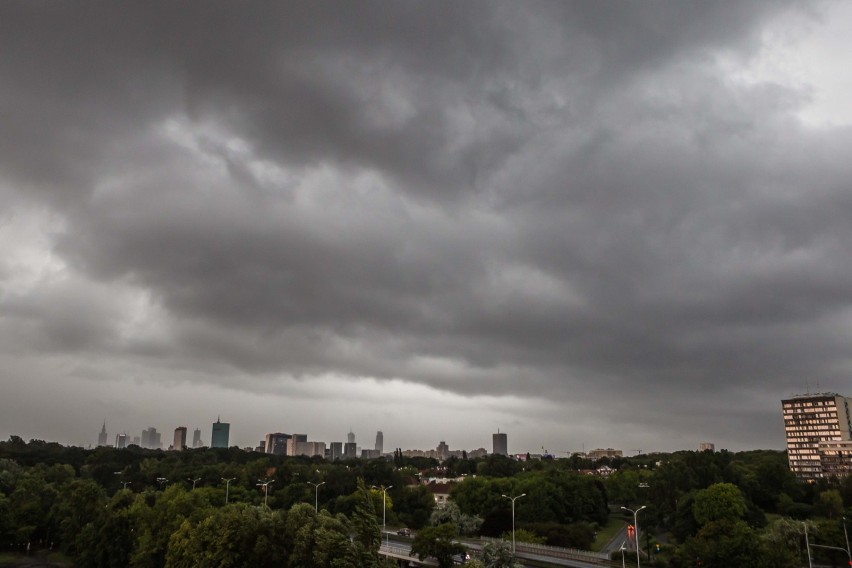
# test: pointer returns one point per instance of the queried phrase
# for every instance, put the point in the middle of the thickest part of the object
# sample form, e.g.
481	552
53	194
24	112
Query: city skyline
593	224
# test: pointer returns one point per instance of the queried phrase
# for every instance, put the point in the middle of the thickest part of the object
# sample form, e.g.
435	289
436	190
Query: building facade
809	421
196	438
180	438
350	450
102	437
276	443
151	439
380	442
221	433
500	444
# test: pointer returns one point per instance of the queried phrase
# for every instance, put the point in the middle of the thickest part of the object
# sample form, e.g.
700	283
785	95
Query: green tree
367	536
830	504
155	524
437	542
468	524
499	555
236	535
79	503
719	502
523	535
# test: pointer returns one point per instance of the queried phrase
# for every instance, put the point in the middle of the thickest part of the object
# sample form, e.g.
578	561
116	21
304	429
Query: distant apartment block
335	451
442	450
220	435
814	426
706	447
599	453
196	438
500	444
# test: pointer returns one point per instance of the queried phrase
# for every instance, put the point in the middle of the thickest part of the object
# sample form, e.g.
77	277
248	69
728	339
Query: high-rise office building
813	424
102	437
380	442
180	438
151	439
221	433
500	443
296	445
350	437
121	441
196	438
276	443
350	450
335	451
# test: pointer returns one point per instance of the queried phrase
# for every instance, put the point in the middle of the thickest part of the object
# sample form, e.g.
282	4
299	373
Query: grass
606	532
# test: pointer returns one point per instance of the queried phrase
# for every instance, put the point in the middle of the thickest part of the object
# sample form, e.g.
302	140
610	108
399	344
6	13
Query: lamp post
162	481
846	534
623	565
384	503
265	485
227	487
808	546
316	494
512	499
194	481
636	528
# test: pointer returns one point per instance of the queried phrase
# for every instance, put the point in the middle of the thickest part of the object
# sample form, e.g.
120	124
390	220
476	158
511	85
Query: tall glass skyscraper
221	432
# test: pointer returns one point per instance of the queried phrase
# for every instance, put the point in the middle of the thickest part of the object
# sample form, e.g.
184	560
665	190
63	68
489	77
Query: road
405	547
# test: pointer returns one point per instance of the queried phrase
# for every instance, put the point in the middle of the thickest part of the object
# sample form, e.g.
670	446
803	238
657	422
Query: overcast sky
587	224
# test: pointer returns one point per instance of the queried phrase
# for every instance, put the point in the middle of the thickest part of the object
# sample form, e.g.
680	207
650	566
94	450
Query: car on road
404	532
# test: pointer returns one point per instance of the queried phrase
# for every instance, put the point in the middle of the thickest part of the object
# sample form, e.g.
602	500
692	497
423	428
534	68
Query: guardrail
554	551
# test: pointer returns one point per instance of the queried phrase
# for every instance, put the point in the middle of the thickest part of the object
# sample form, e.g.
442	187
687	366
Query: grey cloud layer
484	197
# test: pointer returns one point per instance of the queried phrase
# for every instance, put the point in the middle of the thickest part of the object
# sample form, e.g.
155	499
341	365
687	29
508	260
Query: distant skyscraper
102	437
221	433
196	438
180	438
350	450
500	443
276	443
335	451
380	442
151	439
350	437
121	441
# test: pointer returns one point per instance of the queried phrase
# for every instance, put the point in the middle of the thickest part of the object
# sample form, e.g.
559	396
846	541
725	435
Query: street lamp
316	494
512	499
846	534
265	485
384	502
636	528
227	486
194	481
162	481
622	555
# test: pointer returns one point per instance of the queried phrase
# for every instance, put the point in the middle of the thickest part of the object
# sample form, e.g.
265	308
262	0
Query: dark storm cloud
484	197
